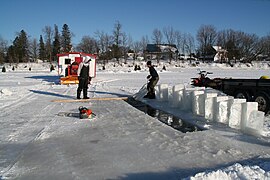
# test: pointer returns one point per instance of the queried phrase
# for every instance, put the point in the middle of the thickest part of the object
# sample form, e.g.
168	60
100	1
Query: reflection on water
164	117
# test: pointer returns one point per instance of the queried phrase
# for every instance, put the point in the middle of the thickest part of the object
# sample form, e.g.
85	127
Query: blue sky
138	17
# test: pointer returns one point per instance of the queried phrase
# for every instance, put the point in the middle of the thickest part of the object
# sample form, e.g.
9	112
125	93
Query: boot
147	95
85	94
79	94
152	96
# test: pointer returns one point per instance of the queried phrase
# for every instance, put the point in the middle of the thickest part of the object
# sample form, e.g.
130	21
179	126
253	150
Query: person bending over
153	80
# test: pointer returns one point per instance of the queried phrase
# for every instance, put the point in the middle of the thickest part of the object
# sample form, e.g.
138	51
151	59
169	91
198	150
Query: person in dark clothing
153	80
84	79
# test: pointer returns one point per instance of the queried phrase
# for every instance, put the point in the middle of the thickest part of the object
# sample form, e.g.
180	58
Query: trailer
257	90
68	64
253	90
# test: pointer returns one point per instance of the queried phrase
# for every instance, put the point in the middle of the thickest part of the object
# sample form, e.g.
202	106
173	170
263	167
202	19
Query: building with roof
161	51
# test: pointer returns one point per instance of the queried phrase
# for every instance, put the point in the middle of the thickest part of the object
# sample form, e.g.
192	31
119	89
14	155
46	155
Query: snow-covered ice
121	142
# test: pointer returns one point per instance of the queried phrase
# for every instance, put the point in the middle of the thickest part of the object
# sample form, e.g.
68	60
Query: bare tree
48	41
3	49
125	46
130	41
190	45
183	44
222	38
240	45
265	45
178	40
137	47
105	42
206	37
157	36
169	34
144	41
248	46
117	34
232	45
33	49
87	45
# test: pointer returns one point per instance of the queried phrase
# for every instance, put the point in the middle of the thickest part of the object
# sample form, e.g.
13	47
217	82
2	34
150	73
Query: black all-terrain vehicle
253	90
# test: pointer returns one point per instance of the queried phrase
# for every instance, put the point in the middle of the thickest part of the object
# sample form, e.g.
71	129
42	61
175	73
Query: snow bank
236	171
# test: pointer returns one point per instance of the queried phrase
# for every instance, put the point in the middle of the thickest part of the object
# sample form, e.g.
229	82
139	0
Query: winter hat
149	63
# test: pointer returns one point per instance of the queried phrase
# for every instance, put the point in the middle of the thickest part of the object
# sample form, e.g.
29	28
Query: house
161	51
215	53
221	54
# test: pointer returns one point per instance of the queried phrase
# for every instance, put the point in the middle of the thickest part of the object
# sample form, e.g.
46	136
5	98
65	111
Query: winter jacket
83	71
153	73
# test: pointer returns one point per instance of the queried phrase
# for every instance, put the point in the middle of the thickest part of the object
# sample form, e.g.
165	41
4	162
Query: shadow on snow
178	173
51	79
110	93
52	94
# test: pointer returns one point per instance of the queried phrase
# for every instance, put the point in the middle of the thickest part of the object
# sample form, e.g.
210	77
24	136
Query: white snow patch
6	92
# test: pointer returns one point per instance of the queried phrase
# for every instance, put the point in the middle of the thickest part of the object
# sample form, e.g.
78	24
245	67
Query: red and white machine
68	64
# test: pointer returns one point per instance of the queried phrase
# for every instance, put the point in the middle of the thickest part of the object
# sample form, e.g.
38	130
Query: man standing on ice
84	78
153	80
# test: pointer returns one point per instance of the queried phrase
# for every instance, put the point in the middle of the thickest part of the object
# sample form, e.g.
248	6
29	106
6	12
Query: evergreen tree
66	39
117	34
11	54
42	51
21	52
56	43
2	57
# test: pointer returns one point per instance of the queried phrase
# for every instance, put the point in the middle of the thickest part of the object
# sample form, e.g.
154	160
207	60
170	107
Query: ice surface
120	142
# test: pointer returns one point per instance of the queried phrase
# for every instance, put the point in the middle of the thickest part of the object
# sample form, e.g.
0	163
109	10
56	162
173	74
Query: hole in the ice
164	117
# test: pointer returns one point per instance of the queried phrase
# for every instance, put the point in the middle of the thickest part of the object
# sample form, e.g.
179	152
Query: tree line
238	44
25	49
